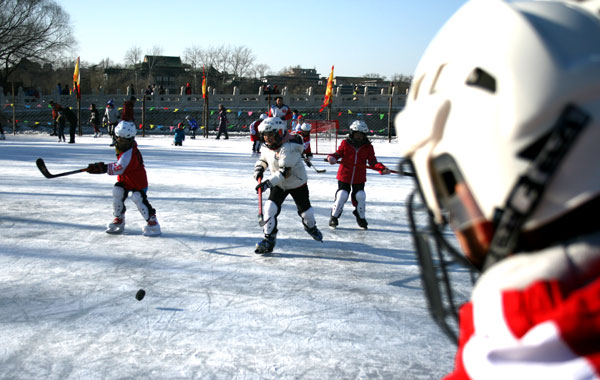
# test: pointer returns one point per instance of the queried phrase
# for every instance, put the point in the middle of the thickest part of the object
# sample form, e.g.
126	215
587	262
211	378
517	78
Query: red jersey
353	167
129	169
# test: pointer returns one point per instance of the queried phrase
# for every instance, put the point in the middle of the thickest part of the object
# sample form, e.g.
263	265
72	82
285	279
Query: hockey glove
332	160
264	185
258	172
97	168
381	168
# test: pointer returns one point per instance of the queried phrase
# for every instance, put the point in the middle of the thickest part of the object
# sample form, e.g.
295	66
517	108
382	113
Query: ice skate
362	223
117	226
333	222
315	233
152	228
266	245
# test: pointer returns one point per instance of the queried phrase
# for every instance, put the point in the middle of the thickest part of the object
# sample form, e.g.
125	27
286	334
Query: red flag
77	80
203	84
328	92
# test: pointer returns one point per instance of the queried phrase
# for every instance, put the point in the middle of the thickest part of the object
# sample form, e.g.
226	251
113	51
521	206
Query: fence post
14	123
144	116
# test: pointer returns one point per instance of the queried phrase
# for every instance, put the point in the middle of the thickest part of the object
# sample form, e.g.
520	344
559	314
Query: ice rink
351	307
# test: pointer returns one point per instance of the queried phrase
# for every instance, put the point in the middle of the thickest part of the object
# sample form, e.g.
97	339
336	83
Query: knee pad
119	196
361	198
140	201
308	218
341	196
270	215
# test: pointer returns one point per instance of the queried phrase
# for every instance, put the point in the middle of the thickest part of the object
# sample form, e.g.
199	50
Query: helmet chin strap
527	193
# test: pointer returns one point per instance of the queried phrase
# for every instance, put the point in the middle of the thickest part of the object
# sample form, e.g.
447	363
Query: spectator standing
55	109
127	112
111	118
95	120
188	89
72	118
60	120
222	128
280	110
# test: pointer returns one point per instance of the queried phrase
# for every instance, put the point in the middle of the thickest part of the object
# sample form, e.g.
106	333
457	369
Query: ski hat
110	103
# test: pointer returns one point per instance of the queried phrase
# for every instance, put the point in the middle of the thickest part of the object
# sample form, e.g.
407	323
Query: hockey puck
140	294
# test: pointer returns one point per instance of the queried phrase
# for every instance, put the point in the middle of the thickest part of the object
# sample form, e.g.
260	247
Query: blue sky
358	37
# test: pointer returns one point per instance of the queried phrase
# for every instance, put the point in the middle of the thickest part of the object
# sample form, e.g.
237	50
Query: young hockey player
179	135
193	126
283	157
355	153
131	177
254	135
304	131
505	154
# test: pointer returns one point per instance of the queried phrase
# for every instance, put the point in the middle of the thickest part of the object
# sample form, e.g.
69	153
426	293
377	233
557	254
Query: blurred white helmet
359	126
125	129
272	124
263	116
305	127
484	100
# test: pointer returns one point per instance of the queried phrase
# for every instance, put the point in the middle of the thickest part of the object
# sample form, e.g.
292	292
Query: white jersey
285	164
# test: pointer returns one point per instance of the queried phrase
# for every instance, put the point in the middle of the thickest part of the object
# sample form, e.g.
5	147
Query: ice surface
348	308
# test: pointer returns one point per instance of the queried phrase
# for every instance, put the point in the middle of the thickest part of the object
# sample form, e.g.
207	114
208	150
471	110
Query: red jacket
127	113
130	169
353	167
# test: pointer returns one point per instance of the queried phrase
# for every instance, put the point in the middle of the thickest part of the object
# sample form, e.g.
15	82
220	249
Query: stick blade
42	166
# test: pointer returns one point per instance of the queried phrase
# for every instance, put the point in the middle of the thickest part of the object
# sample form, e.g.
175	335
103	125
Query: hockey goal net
323	136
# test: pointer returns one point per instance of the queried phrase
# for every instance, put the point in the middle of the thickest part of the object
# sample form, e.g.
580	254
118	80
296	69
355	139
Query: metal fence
162	114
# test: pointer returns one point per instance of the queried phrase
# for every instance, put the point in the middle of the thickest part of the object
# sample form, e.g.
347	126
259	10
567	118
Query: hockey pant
358	197
138	197
273	207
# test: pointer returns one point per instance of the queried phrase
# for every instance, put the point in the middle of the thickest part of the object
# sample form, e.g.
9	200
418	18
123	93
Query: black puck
140	294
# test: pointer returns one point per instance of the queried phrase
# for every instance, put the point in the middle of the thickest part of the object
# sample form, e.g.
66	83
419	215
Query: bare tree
35	29
194	57
152	56
241	61
222	56
133	56
259	70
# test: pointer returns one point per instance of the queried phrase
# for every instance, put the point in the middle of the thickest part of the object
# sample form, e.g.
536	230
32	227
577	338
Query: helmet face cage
439	260
272	125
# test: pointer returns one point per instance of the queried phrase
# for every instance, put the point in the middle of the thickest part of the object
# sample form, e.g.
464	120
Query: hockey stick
369	167
261	219
310	165
42	166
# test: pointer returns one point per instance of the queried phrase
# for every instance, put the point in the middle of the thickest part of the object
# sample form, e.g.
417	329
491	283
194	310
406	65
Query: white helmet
275	125
125	129
359	126
484	101
263	116
305	127
272	124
